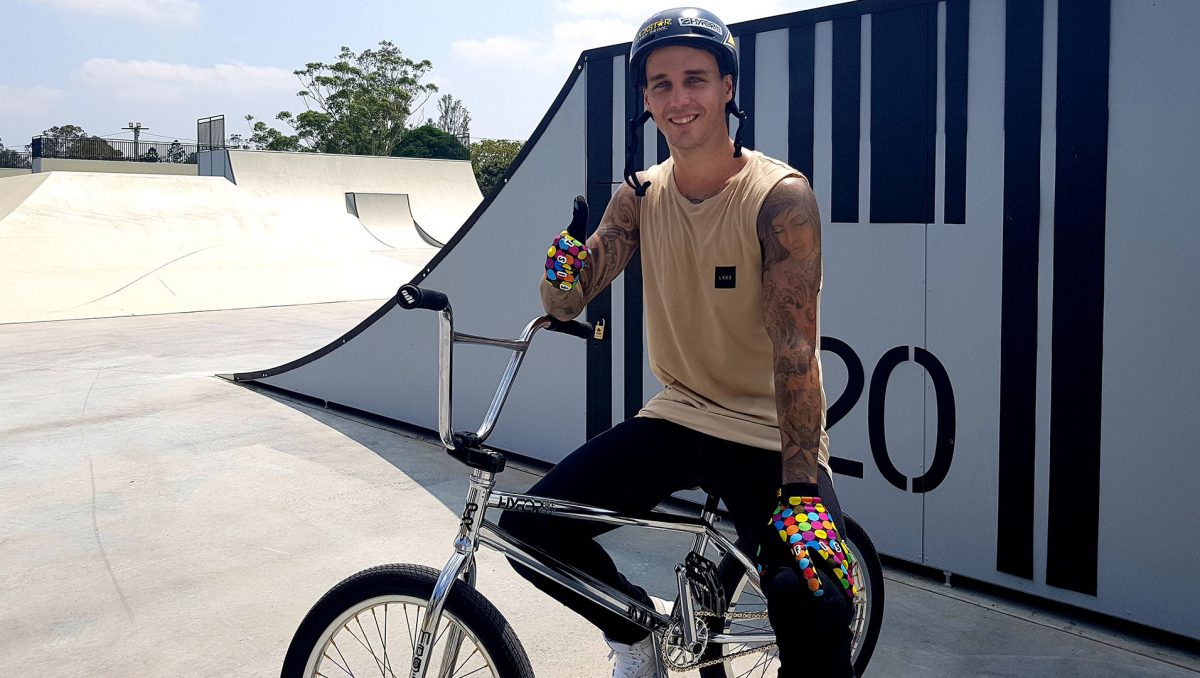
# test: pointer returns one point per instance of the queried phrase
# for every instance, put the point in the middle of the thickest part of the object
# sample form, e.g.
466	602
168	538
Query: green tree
10	157
453	117
175	152
267	138
427	141
62	141
71	141
359	104
490	158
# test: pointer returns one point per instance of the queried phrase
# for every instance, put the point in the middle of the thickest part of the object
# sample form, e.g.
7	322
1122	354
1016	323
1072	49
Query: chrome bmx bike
410	620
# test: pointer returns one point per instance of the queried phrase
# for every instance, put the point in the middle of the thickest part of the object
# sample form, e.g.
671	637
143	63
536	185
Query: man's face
686	95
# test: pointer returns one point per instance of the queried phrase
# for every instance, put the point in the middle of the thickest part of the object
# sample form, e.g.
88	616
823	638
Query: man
731	256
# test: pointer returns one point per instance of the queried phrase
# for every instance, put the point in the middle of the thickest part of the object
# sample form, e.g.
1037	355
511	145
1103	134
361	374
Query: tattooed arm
789	228
611	247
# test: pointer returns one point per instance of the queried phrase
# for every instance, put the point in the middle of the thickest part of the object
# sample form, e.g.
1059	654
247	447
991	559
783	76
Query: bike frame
481	496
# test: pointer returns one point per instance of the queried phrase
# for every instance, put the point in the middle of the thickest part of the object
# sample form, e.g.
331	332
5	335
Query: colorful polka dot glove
810	535
565	260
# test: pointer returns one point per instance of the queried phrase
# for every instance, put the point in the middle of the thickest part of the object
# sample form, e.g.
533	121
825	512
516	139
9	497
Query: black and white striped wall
1011	284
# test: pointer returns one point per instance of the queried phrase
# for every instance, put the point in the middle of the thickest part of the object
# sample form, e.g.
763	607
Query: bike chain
712	662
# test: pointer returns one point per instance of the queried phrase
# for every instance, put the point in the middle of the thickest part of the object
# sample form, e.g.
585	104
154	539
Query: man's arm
611	247
789	228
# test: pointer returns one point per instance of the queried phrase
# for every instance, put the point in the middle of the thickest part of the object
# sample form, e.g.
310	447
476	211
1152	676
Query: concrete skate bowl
87	245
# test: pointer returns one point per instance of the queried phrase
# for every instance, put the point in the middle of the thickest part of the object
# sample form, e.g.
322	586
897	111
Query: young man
731	259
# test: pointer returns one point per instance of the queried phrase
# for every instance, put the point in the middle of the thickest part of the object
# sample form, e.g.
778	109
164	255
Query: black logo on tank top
726	277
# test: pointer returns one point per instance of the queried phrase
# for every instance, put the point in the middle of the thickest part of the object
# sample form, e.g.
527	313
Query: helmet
687	26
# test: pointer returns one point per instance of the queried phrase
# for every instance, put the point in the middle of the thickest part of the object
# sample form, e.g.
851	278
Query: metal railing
95	148
12	159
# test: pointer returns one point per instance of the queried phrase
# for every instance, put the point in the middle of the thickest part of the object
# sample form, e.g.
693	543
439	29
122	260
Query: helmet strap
635	127
731	108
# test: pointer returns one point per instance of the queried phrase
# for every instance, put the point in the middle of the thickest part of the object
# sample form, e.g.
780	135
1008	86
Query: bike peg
579	219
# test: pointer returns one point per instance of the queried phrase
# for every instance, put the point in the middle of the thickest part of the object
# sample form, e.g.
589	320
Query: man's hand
808	532
565	260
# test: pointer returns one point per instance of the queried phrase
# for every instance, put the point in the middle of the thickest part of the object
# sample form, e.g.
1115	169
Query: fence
10	159
95	148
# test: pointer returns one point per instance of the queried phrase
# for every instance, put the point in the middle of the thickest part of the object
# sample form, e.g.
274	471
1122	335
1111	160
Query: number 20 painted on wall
943	391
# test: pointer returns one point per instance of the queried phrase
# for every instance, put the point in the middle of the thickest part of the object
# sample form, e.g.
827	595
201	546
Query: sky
102	64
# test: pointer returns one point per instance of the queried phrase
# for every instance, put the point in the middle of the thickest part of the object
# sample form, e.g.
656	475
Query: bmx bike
405	619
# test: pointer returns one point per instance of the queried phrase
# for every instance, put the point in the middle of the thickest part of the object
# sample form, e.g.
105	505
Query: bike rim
747	599
376	637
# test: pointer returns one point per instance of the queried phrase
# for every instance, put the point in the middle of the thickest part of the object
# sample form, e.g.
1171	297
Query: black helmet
687	26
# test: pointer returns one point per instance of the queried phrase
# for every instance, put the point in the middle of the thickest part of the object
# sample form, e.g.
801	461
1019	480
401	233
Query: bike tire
385	603
868	608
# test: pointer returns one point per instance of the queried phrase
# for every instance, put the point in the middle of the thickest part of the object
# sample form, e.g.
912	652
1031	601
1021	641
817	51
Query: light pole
136	127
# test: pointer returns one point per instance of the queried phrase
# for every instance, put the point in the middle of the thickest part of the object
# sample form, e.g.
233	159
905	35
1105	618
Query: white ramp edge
388	218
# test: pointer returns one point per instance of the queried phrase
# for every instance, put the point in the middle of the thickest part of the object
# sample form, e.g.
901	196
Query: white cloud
730	11
160	12
157	80
550	55
29	100
588	24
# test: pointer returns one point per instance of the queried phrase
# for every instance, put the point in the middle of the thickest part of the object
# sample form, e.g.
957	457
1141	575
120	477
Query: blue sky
103	63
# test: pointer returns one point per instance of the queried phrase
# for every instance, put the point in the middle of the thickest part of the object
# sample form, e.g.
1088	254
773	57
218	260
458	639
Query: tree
62	141
453	117
490	158
13	158
427	141
360	104
268	138
71	141
175	152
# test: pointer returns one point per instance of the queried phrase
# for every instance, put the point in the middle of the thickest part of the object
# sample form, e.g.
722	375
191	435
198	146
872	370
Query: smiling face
686	95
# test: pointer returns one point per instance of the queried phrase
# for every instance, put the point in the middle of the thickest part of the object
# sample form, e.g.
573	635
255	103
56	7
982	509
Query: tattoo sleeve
789	228
612	246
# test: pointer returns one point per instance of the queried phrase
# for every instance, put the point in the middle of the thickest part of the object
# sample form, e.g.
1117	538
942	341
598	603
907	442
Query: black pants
639	463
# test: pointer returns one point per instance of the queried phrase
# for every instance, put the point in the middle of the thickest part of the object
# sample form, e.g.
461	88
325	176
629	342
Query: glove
565	260
808	532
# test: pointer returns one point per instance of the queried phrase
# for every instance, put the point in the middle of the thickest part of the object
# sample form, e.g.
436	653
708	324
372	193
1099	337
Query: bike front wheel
368	625
746	599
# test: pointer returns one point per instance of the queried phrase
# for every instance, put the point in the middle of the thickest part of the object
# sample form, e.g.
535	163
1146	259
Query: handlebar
411	296
466	446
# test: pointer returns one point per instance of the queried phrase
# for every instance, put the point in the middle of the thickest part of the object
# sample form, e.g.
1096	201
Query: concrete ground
158	521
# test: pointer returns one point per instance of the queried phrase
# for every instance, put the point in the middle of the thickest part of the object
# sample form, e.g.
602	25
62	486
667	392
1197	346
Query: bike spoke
344	666
384	668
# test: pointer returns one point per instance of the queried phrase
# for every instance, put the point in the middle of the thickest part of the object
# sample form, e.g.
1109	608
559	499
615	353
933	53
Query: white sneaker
633	661
638	660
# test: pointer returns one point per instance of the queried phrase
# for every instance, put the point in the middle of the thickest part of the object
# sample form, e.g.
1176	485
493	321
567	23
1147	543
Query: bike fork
461	565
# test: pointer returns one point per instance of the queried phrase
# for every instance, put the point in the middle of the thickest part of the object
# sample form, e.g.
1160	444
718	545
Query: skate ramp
442	194
86	245
388	218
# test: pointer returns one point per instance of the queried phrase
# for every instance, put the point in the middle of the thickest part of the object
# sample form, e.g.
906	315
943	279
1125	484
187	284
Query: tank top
706	334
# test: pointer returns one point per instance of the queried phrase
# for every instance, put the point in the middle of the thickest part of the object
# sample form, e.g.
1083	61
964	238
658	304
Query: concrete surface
158	521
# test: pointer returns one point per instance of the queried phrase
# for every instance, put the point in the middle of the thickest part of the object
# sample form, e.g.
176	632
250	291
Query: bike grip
575	328
579	219
411	296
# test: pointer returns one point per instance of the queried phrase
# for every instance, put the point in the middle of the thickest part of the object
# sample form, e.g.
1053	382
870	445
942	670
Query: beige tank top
707	339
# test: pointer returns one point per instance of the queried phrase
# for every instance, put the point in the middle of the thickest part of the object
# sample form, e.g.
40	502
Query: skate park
162	520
